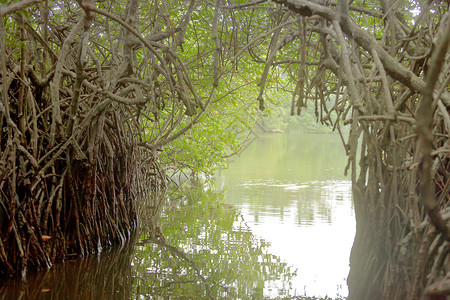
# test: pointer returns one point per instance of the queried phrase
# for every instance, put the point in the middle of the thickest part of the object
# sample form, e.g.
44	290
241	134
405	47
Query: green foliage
7	2
233	112
234	109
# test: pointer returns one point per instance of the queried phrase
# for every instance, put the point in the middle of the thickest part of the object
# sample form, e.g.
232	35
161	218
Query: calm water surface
292	192
278	224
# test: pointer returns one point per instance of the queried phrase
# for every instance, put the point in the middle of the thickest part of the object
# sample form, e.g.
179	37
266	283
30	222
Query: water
279	224
292	192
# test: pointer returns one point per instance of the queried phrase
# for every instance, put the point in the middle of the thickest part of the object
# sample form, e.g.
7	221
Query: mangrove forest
102	103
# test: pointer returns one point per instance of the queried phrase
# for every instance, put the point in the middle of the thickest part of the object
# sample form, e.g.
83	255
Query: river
278	223
292	192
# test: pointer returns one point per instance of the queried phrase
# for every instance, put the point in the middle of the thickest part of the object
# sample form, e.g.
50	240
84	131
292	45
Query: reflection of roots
162	242
184	257
107	276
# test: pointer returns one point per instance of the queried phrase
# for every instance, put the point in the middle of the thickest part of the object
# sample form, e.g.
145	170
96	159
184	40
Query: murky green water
278	224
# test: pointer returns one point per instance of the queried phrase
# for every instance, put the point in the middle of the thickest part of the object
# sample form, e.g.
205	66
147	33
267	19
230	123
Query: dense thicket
71	168
394	65
92	97
87	88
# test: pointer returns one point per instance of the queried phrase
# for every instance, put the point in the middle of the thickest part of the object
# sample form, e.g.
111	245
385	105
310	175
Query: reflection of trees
205	250
285	172
181	262
106	276
311	200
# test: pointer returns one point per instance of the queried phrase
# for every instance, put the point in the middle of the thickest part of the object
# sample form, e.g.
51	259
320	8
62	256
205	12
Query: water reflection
281	227
200	248
206	250
105	276
292	192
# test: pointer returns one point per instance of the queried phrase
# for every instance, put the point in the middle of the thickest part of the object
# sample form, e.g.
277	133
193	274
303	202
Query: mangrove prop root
70	168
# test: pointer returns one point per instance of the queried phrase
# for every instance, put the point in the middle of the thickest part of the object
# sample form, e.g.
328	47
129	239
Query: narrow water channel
278	224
